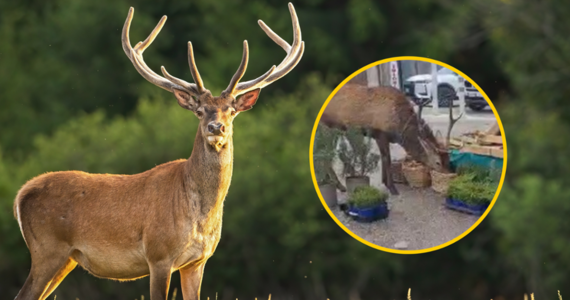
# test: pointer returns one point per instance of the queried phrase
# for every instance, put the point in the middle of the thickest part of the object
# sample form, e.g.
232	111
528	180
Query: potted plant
470	193
323	154
358	161
367	204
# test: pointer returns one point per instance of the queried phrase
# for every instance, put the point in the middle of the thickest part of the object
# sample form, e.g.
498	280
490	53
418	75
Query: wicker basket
397	173
417	175
440	181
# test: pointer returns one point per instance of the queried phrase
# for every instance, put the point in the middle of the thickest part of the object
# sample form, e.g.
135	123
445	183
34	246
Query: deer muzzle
216	134
216	128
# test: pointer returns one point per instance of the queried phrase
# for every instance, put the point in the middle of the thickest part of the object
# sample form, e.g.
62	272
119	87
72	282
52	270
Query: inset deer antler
294	54
421	104
452	122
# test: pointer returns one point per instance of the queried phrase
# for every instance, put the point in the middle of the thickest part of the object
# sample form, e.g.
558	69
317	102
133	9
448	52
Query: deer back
380	108
384	109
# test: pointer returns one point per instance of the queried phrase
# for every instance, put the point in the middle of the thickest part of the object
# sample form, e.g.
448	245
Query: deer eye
199	114
233	112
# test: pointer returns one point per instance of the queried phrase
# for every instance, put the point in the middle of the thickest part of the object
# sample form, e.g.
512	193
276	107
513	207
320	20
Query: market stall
478	148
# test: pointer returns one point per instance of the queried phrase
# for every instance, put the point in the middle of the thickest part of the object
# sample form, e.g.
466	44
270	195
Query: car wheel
477	107
423	102
445	95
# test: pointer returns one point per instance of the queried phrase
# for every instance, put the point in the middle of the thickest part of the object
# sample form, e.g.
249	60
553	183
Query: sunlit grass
409	296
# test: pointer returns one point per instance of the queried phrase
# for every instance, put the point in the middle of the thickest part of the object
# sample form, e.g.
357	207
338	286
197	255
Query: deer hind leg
58	278
384	147
159	280
46	274
191	280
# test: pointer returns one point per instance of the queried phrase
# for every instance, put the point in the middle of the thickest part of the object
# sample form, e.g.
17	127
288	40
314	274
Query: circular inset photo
408	155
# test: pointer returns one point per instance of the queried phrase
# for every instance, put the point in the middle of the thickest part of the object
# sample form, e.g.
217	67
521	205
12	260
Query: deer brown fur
166	219
390	117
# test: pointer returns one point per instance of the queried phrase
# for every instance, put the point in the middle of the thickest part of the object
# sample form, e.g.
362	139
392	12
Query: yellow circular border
399	58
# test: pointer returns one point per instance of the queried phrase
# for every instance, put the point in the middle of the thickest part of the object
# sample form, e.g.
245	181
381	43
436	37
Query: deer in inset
167	219
389	117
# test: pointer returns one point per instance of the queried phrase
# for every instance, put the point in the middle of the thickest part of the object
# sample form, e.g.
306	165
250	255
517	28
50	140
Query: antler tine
296	27
194	69
240	71
277	39
294	54
125	39
135	56
188	86
141	46
126	42
285	68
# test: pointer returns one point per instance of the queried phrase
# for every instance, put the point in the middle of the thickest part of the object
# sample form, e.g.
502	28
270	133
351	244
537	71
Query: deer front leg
384	147
191	280
160	280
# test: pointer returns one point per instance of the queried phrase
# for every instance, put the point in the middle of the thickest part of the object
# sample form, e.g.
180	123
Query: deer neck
208	174
409	140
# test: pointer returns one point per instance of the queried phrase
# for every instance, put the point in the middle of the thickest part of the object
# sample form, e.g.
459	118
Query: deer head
434	156
216	113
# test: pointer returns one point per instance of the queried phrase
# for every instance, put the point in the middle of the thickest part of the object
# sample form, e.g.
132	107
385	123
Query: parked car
418	87
474	99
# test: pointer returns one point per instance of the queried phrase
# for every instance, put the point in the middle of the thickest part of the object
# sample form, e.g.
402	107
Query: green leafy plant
494	173
480	173
355	154
467	188
324	151
366	196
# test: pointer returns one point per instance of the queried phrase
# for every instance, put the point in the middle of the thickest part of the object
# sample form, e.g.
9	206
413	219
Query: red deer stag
169	218
390	118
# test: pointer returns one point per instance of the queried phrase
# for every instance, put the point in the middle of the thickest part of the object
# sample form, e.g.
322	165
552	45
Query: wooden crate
489	142
479	143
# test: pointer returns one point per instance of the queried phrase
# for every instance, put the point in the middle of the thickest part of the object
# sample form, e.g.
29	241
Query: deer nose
216	128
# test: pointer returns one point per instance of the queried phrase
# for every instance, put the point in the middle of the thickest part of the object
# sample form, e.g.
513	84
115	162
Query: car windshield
445	71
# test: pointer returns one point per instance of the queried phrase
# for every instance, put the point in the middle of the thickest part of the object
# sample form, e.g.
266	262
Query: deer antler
421	104
294	54
135	55
452	122
235	88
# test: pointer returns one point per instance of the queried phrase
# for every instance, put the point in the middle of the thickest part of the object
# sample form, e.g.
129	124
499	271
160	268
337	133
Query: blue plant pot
473	209
368	214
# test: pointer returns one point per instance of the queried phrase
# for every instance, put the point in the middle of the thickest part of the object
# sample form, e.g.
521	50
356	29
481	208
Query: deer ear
247	100
185	100
427	147
424	145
